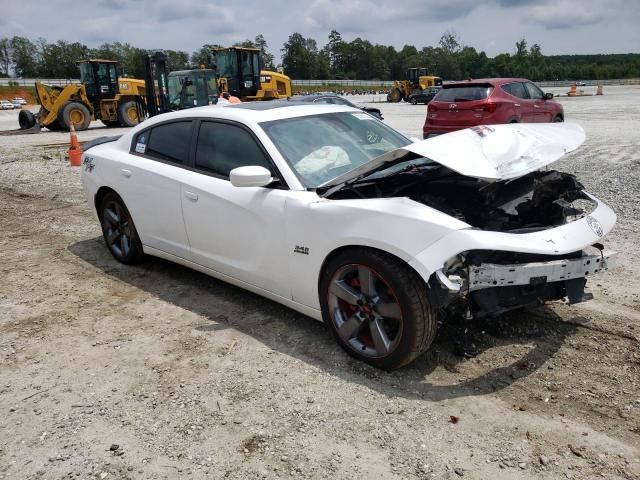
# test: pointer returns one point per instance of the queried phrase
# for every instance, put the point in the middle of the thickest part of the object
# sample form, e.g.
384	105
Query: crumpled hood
491	152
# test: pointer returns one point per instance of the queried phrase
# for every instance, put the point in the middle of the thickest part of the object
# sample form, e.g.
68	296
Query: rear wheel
414	101
377	308
118	230
128	113
74	113
558	119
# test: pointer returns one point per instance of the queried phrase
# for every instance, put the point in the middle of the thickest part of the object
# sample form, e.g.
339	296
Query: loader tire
76	113
128	114
26	119
396	95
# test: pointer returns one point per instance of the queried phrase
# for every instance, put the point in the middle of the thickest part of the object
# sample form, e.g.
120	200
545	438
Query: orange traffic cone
573	91
599	91
74	152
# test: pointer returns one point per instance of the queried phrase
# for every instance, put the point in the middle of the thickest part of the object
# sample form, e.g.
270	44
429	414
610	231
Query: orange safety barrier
573	92
75	152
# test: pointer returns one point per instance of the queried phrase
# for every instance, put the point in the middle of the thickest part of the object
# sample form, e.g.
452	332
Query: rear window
464	94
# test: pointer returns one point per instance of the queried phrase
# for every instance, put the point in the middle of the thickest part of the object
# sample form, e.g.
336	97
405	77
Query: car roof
490	81
250	112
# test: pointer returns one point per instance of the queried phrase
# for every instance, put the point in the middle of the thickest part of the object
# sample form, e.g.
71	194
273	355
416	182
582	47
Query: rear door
459	105
239	232
523	109
150	185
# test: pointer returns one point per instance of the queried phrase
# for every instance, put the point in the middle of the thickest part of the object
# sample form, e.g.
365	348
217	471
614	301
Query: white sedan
329	211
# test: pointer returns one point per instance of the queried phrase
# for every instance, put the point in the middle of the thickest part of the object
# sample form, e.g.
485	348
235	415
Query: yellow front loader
417	80
100	95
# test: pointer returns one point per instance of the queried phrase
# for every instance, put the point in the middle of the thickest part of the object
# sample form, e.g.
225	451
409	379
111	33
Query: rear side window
169	142
464	94
223	147
516	89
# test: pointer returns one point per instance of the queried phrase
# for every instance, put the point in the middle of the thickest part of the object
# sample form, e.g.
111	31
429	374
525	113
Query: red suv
489	101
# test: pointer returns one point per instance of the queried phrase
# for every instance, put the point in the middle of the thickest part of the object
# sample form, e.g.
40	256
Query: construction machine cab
238	68
192	88
99	78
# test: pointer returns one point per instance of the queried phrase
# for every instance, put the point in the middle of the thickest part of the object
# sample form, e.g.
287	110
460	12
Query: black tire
119	231
125	113
397	286
558	119
74	112
395	95
26	119
111	123
414	101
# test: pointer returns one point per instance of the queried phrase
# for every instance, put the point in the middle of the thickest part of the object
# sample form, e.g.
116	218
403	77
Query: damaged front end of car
533	235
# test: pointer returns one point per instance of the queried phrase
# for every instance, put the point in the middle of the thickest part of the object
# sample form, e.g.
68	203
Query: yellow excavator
417	80
100	95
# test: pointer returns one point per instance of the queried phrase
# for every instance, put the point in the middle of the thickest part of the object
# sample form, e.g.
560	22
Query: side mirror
548	96
253	176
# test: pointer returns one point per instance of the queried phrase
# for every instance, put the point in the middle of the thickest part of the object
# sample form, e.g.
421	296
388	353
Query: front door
239	232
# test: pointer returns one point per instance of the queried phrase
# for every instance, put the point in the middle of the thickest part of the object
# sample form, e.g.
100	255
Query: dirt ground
159	372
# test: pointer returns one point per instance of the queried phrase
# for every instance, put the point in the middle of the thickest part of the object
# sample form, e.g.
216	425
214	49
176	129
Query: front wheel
118	230
377	308
414	101
558	119
128	113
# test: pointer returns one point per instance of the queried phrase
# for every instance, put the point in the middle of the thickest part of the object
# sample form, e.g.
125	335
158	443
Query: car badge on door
453	106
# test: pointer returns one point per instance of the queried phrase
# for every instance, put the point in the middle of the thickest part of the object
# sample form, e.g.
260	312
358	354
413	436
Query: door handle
125	172
191	196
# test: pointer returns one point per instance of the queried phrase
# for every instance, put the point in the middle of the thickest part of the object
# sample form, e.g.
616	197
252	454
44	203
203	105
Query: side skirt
298	307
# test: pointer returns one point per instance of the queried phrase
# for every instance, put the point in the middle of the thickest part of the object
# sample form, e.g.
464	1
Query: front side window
322	147
534	92
222	147
169	142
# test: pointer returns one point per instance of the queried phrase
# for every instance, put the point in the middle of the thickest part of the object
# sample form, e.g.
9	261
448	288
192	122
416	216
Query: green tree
5	56
298	56
24	57
265	57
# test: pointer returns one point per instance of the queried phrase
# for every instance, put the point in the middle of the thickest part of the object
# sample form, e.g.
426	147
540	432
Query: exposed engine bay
535	201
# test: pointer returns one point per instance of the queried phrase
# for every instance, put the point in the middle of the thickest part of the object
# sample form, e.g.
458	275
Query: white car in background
329	211
6	105
18	101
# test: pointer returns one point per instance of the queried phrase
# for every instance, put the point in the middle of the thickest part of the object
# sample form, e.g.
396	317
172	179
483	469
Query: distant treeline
338	59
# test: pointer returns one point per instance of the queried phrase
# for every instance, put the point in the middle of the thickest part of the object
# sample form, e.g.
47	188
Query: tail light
489	107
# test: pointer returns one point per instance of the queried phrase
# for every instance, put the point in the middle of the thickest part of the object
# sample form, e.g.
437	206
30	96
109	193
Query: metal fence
28	82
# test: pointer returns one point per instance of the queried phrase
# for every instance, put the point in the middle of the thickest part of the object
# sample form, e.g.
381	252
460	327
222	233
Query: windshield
464	94
322	147
226	63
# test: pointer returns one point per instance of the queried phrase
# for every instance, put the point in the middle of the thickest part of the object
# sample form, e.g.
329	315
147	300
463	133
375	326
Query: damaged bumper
489	289
490	275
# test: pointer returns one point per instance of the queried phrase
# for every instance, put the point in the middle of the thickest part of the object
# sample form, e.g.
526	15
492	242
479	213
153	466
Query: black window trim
191	158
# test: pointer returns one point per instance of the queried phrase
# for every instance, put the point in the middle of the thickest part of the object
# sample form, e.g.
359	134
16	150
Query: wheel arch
100	194
424	274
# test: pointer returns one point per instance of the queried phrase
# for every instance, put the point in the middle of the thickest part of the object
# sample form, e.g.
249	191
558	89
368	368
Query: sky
559	26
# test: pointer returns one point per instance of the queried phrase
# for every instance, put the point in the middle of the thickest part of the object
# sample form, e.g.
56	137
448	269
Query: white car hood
492	152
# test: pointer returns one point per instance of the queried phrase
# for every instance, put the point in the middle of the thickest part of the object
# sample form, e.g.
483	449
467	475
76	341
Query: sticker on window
363	116
141	146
